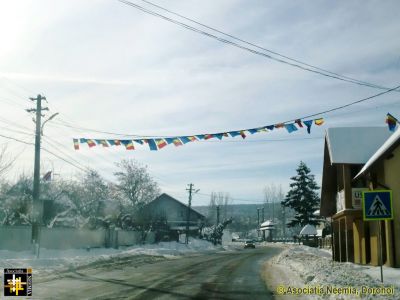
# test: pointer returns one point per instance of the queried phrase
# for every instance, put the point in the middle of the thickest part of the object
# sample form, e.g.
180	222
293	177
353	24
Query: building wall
18	238
392	180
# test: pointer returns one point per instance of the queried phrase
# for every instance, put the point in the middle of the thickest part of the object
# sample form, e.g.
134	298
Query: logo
17	282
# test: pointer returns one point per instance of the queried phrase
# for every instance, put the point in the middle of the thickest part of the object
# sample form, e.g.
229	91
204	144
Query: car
249	244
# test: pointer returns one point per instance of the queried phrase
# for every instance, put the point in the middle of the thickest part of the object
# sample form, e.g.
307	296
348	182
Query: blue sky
107	66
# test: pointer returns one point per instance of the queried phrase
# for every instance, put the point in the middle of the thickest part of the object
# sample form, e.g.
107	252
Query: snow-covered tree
135	184
302	197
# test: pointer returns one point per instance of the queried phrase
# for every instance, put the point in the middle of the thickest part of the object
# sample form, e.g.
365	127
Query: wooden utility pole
217	214
37	204
190	189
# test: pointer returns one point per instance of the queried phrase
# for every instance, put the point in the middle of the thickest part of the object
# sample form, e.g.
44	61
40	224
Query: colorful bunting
159	143
391	121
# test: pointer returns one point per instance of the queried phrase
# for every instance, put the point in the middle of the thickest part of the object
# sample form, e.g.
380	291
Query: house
346	151
382	171
174	215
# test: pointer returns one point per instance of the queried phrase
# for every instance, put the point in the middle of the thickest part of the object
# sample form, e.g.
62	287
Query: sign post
377	206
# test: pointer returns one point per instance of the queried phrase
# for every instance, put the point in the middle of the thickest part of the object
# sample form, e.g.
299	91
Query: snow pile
74	258
315	267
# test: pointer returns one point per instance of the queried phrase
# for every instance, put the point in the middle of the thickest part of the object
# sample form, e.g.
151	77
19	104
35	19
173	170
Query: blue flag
308	124
290	127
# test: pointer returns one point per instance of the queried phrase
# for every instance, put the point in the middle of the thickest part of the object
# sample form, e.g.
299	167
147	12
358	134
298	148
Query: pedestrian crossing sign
377	205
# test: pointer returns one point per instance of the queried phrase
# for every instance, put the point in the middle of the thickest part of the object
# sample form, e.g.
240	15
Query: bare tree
135	183
6	160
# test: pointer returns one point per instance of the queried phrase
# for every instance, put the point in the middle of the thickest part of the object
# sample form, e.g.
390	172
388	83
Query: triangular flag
391	121
308	123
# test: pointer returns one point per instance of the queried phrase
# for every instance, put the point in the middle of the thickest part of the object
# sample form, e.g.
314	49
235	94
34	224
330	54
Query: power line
66	124
235	199
262	48
347	105
44	149
186	26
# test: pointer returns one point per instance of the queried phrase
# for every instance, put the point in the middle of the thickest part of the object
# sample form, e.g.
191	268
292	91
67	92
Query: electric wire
186	26
66	124
262	48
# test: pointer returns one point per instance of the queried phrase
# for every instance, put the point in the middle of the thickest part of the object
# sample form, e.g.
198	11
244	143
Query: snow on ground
311	267
72	258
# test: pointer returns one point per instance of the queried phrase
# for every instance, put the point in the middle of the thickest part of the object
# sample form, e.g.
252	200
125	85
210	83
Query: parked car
249	244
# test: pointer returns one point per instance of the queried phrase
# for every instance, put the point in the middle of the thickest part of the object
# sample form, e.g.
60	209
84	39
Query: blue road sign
377	205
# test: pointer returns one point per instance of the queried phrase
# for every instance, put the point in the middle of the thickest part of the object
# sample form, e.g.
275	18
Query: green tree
302	197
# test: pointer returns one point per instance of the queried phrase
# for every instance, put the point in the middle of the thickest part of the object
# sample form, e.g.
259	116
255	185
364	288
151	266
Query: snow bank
73	258
314	267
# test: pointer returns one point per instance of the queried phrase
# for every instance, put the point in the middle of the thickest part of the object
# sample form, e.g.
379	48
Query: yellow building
382	171
347	151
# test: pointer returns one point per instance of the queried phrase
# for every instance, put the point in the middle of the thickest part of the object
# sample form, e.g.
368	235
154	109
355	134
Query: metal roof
354	145
391	141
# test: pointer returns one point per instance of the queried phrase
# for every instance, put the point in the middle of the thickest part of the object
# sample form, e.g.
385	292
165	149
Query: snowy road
226	275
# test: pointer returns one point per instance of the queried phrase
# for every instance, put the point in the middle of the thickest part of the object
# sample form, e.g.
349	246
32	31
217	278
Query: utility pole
217	214
190	189
262	215
258	221
37	204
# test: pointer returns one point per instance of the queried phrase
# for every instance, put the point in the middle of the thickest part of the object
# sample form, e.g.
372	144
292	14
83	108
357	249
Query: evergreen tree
302	197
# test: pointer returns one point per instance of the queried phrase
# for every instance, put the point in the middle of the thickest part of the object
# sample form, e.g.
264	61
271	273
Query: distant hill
245	215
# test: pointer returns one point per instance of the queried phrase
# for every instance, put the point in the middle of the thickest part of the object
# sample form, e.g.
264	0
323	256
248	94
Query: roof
308	230
354	145
387	146
167	197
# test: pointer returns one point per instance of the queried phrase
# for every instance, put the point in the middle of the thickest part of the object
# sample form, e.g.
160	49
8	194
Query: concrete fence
18	238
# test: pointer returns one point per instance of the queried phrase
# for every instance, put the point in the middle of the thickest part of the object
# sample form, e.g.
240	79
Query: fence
18	238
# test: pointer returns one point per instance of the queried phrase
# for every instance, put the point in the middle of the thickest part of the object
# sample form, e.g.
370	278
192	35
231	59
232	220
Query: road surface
224	275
